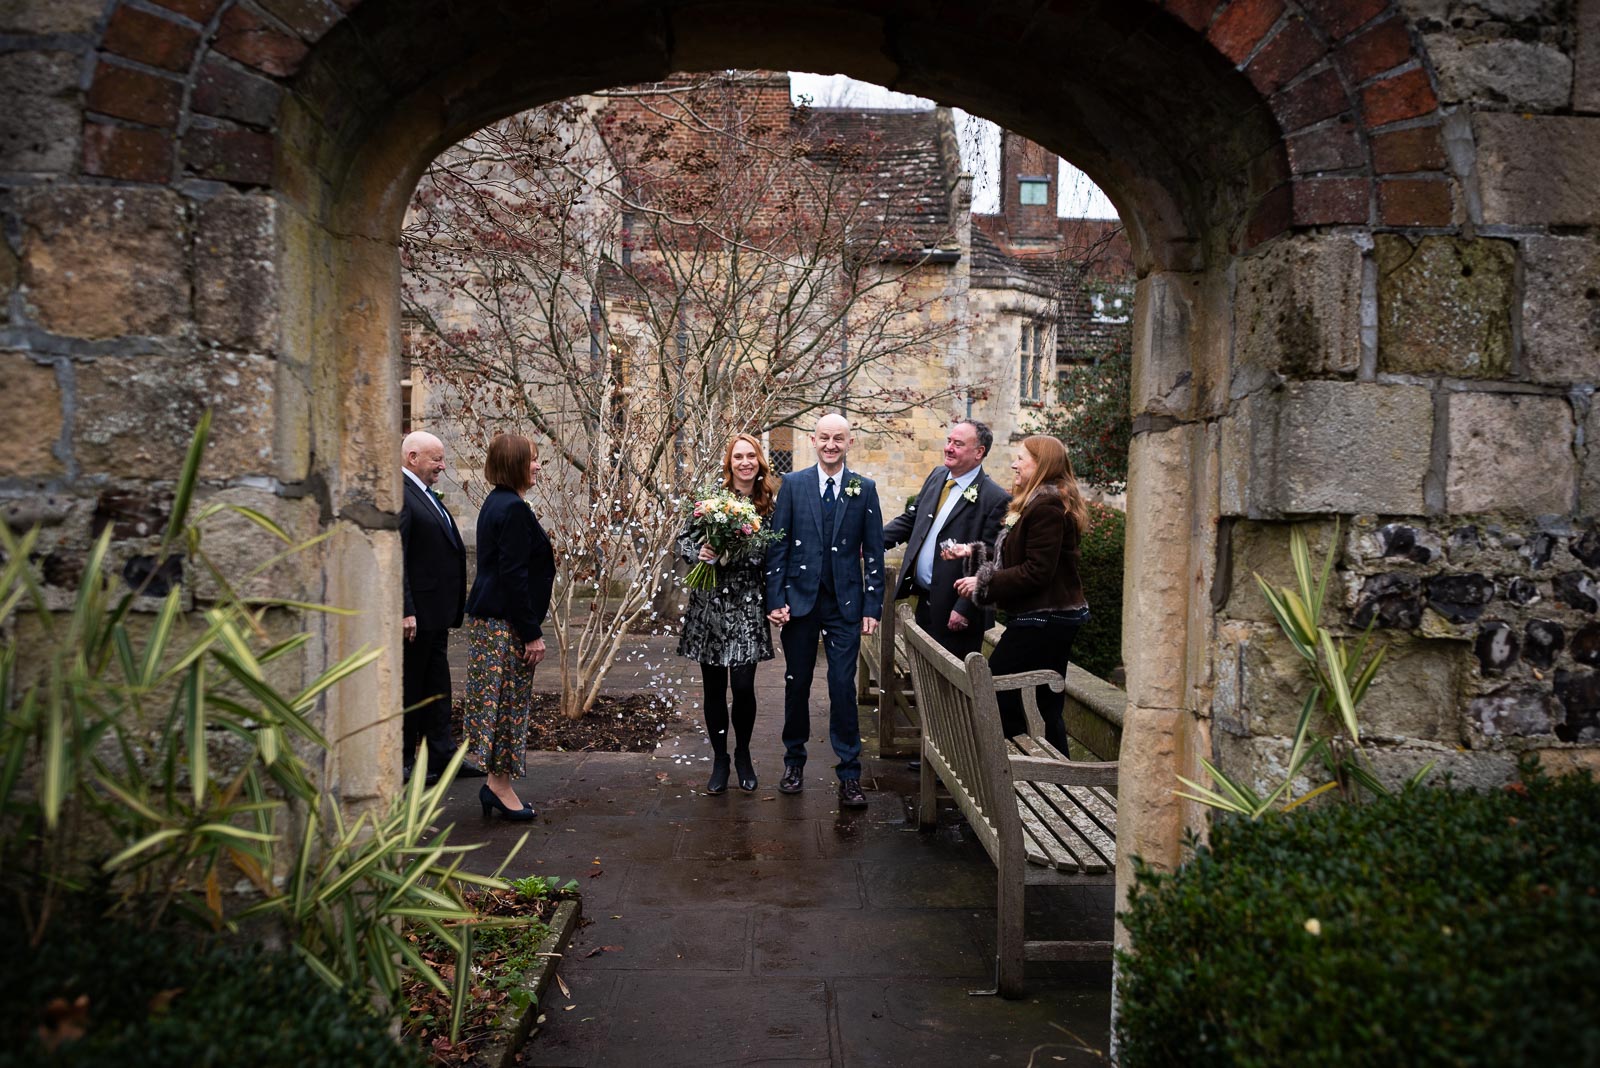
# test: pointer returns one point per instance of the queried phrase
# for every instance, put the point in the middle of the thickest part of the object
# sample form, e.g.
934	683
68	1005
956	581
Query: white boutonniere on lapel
853	487
1010	520
971	495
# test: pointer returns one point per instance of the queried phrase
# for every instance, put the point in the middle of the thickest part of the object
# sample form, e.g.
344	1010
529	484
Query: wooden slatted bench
1044	820
883	681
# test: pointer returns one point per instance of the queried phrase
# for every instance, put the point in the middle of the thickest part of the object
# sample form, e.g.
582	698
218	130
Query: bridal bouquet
730	524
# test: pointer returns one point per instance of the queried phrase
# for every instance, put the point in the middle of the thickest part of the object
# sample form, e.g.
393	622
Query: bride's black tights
717	677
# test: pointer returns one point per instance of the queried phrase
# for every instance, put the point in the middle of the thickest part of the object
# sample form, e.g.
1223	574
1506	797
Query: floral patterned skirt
499	697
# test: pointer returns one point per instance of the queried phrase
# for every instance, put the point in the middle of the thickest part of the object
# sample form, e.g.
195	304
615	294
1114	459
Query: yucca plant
1341	675
112	729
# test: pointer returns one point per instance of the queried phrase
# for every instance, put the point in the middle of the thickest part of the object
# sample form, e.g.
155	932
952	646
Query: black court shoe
490	802
747	770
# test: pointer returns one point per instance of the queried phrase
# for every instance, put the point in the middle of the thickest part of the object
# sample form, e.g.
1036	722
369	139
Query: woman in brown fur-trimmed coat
1034	579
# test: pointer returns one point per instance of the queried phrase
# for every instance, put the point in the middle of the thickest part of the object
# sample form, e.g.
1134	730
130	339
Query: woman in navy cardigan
505	611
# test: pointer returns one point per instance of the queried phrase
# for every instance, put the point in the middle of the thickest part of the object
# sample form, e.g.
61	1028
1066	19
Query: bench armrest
1026	681
1030	679
1064	772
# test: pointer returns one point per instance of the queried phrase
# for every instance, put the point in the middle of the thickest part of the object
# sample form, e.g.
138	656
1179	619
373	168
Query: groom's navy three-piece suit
827	568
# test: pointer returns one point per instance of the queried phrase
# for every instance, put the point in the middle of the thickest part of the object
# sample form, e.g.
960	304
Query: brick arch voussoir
191	89
1356	105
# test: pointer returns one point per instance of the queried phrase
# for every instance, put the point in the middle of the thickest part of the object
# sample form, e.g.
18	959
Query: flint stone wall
1493	631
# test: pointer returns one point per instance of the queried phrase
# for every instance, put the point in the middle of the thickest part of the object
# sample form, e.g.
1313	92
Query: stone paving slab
733	839
721	1020
661	940
938	1024
929	884
755	929
887	943
738	884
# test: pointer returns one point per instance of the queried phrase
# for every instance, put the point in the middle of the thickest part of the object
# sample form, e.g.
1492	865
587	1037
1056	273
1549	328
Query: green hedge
1098	646
1451	928
159	1001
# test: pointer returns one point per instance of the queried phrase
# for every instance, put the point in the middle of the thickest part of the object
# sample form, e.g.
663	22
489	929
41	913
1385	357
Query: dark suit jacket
435	559
968	522
516	566
854	546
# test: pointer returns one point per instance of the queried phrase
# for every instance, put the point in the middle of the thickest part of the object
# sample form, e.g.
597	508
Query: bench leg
1009	936
928	794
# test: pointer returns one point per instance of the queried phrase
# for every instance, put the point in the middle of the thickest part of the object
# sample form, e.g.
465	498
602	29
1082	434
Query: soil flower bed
506	954
618	723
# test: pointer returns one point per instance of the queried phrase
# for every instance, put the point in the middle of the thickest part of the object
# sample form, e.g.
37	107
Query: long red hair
1053	474
764	494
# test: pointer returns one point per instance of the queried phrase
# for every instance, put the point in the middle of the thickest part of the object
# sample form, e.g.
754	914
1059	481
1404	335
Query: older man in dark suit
958	501
435	593
825	580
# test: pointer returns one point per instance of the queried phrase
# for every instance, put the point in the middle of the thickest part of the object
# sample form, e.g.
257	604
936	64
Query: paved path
763	929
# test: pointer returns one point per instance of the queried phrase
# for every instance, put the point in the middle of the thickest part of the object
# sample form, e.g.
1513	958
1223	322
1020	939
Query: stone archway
1252	146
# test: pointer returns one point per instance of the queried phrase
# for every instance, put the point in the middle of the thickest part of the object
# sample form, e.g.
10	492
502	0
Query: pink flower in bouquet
728	523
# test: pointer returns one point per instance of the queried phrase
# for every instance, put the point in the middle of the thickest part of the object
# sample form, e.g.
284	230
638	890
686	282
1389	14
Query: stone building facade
1365	236
1046	291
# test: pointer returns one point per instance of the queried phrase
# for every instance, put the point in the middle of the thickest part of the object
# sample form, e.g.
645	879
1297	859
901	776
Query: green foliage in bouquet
730	524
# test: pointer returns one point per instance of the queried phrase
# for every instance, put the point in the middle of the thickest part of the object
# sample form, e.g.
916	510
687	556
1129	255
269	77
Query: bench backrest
961	734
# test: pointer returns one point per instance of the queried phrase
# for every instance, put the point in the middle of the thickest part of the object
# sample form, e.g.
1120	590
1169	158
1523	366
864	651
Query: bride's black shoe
747	771
719	775
490	802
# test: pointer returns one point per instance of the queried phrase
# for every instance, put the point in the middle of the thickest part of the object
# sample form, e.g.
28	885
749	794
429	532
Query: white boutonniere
852	488
1010	520
971	495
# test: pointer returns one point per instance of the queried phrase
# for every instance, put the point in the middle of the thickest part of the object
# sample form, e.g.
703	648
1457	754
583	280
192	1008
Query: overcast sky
1077	196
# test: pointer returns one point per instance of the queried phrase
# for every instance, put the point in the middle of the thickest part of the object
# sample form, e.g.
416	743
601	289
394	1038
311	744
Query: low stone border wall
502	1053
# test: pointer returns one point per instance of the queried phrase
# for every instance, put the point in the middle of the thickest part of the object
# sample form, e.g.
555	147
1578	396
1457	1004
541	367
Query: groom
832	531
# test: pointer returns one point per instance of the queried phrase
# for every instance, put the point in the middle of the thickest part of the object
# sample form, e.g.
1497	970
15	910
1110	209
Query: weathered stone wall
1435	389
997	316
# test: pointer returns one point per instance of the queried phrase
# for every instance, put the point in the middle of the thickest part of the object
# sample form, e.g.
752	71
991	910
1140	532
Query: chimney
1029	175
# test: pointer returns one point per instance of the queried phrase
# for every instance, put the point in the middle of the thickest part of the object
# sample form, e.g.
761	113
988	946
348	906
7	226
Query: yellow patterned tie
944	495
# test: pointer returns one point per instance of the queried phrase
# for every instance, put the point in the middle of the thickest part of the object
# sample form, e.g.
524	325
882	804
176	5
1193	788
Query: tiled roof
993	268
902	157
996	266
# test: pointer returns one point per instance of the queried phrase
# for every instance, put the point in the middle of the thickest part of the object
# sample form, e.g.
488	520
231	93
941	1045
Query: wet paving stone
721	884
930	884
640	939
877	942
938	1024
606	838
732	839
719	1021
765	929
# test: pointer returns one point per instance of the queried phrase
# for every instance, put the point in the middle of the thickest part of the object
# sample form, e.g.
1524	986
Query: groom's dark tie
829	503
